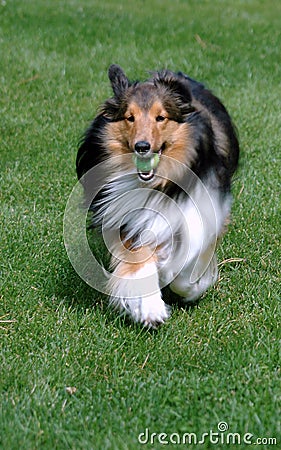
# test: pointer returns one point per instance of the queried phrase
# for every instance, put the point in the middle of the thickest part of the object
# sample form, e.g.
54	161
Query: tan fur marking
135	259
145	126
115	138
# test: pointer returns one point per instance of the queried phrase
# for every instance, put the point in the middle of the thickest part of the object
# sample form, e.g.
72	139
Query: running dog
159	158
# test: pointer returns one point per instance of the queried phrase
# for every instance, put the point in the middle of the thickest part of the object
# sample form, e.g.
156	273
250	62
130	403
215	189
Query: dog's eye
130	119
160	119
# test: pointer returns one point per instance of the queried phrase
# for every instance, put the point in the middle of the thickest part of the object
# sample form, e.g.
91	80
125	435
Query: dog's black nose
142	147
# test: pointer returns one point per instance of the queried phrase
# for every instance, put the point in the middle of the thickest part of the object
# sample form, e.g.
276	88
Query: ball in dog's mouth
146	165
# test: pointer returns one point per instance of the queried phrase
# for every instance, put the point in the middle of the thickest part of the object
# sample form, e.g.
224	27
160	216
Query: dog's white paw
150	311
139	296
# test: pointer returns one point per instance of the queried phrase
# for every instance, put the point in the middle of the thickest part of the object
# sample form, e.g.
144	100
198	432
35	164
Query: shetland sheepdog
163	152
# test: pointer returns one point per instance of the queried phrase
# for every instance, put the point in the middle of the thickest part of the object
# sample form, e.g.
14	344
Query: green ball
144	164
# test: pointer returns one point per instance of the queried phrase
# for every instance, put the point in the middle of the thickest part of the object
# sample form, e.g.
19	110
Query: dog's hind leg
134	287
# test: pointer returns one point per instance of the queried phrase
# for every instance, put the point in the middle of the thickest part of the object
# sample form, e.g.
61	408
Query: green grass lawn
72	374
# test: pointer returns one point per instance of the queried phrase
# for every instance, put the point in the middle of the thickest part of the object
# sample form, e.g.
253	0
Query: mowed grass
73	374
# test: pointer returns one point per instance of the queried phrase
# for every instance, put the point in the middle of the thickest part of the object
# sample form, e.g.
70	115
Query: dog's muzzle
146	164
146	160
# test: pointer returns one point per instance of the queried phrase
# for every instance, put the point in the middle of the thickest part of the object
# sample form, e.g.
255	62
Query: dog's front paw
153	311
138	294
150	311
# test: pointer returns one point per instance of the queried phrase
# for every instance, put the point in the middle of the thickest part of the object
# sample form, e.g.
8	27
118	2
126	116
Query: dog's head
148	119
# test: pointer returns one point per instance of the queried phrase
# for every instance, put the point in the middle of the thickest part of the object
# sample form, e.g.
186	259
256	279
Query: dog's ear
174	82
177	84
118	79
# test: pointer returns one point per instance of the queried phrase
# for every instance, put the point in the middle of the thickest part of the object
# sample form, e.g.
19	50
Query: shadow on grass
71	289
175	300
